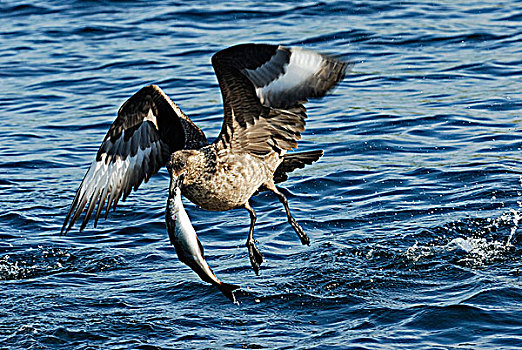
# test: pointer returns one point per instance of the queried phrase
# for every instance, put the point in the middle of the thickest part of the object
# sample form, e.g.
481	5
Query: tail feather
227	289
293	161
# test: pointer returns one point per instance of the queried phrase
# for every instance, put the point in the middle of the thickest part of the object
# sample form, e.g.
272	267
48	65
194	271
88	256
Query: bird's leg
297	228
256	258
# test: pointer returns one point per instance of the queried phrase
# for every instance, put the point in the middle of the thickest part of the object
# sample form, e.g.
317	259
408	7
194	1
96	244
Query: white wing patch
303	64
152	118
112	176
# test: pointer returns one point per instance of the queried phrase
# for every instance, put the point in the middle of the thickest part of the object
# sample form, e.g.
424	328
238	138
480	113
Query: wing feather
147	130
264	88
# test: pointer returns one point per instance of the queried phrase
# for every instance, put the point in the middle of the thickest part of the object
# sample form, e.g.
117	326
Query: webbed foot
256	258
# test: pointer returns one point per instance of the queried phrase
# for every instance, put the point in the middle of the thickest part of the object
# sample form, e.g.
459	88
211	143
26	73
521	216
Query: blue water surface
413	211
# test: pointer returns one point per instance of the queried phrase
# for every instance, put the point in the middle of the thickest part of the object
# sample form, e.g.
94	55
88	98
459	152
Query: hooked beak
175	182
180	179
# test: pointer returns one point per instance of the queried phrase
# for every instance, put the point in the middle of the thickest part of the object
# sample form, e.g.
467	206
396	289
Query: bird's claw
305	240
256	258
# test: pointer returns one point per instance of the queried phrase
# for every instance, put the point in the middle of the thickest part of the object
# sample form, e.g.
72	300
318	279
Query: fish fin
227	289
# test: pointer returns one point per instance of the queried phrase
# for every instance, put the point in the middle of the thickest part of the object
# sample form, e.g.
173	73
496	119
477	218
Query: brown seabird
264	88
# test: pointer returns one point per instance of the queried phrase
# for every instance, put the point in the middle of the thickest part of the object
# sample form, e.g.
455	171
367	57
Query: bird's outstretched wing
264	87
146	131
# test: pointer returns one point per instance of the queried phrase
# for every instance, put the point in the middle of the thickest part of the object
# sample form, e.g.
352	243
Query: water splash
33	262
44	261
470	242
516	219
476	252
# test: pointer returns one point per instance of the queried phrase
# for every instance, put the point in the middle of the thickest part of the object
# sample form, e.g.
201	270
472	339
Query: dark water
413	211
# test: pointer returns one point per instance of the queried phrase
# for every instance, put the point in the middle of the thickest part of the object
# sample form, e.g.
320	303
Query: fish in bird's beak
175	182
184	238
180	179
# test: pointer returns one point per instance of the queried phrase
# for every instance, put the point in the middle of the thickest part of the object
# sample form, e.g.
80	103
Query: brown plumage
259	127
264	88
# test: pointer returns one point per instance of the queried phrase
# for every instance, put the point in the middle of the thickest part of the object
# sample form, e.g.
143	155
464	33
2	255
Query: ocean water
413	211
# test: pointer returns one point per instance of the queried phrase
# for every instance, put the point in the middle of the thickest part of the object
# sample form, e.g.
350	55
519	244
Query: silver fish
188	247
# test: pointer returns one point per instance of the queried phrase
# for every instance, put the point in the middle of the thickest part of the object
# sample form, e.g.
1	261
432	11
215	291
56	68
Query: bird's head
176	166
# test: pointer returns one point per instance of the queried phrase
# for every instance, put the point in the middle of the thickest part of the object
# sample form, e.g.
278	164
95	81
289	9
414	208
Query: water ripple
413	211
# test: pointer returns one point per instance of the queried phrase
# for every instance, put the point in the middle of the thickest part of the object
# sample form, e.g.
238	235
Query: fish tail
227	289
